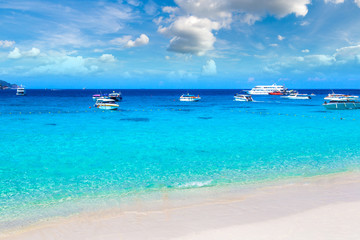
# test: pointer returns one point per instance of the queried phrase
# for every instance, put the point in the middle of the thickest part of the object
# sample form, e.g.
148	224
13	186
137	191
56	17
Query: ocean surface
59	155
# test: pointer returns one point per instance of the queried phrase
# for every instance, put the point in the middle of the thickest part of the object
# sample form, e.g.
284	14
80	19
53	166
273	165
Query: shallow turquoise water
55	150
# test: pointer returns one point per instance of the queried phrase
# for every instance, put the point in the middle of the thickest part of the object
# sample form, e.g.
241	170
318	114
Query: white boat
342	105
189	98
106	104
243	98
115	96
340	97
20	91
298	96
266	89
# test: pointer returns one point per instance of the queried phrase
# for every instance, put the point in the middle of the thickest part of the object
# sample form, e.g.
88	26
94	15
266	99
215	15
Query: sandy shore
312	208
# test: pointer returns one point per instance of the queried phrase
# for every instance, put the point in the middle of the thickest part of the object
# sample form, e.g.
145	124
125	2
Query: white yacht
189	98
243	98
340	97
106	104
341	105
266	89
297	96
20	91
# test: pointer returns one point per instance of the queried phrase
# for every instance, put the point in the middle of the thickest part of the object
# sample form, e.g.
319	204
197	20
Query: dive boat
341	105
20	91
106	104
340	97
115	96
96	97
266	89
243	98
189	98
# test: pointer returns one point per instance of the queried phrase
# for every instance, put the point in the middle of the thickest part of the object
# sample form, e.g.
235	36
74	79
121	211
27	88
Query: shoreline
204	212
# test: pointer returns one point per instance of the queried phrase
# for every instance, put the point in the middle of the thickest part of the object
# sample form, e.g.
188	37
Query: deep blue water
57	151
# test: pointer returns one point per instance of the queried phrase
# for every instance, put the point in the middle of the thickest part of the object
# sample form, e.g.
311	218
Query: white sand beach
326	207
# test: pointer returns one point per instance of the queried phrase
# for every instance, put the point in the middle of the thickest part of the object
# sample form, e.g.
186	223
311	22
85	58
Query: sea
59	155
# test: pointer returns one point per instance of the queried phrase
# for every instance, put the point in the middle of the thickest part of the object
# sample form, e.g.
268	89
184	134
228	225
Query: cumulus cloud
6	43
192	23
14	54
209	68
140	41
357	2
280	38
121	40
191	35
107	58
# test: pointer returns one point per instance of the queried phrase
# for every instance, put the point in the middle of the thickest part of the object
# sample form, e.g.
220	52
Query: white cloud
191	35
192	31
273	45
33	52
121	40
14	54
209	68
334	1
357	2
167	57
107	58
6	43
304	23
348	53
280	38
140	41
305	51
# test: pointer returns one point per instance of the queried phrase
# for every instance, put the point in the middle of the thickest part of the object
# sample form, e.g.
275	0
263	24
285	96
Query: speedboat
106	104
297	96
342	105
115	96
20	91
96	97
189	98
243	98
340	97
266	89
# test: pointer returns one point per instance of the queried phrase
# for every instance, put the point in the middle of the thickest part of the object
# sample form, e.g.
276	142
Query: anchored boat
20	91
342	105
106	104
189	98
243	98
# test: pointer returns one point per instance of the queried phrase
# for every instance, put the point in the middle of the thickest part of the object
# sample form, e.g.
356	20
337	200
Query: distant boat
20	91
106	104
189	98
266	89
342	105
340	97
243	98
96	97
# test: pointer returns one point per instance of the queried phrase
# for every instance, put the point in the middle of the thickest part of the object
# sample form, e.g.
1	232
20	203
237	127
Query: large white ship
266	89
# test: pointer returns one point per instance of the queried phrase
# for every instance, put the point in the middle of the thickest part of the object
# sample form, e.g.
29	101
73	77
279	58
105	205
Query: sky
180	44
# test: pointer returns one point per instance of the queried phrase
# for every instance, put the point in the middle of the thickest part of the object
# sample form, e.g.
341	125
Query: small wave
196	184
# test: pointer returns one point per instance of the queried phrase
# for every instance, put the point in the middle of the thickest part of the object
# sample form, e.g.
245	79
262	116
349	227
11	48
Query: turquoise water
56	151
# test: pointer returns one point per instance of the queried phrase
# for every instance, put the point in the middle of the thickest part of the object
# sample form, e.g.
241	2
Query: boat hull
342	106
189	99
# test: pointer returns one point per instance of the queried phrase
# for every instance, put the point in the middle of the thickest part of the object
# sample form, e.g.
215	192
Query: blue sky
180	43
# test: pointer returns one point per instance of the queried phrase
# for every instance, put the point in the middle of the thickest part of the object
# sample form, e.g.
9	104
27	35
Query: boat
297	96
96	97
106	104
115	96
189	98
20	91
340	97
243	98
266	89
342	105
313	94
276	93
